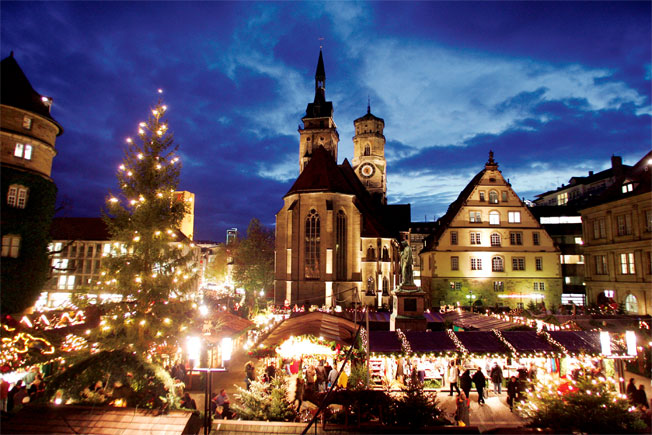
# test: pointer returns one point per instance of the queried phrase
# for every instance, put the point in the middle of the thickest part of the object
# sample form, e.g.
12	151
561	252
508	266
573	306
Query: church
337	240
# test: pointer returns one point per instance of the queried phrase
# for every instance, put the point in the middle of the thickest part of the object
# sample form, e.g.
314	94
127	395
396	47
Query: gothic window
371	253
370	286
312	237
385	254
385	286
340	247
495	239
367	150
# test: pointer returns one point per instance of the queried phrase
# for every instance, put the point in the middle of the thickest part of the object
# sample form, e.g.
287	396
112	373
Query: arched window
371	253
385	254
494	218
340	246
493	197
497	264
385	286
495	239
17	196
367	150
631	304
370	286
312	245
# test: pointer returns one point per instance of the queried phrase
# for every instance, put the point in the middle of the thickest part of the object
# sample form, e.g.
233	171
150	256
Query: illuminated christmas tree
587	403
151	263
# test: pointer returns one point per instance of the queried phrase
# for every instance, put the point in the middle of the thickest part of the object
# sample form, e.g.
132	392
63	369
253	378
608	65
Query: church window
367	150
312	238
495	239
371	254
385	254
385	286
493	197
370	286
307	139
340	247
494	218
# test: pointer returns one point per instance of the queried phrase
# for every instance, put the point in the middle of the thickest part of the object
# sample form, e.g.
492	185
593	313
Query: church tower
369	161
318	125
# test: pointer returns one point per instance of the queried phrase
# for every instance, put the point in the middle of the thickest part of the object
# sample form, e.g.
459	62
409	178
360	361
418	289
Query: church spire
320	79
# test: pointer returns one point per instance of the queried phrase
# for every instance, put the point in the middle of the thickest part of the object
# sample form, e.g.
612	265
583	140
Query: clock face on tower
367	170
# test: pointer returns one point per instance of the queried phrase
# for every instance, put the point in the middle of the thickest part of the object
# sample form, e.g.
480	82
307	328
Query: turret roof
17	91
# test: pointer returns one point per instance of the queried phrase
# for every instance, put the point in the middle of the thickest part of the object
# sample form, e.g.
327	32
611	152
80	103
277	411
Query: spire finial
491	158
368	104
321	42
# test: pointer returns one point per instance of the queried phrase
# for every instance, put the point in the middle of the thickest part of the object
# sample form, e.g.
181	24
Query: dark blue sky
553	88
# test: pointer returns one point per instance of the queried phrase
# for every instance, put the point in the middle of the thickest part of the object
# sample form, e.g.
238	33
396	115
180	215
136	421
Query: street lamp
194	350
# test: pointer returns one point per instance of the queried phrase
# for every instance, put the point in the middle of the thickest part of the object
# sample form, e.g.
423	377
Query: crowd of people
25	390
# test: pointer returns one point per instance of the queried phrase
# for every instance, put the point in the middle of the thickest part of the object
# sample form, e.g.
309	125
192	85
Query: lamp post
194	350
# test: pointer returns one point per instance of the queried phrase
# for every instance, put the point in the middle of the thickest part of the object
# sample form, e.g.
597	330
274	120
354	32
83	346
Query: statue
407	278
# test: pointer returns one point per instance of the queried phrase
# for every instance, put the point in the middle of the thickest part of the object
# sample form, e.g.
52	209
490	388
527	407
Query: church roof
369	117
17	91
321	71
322	174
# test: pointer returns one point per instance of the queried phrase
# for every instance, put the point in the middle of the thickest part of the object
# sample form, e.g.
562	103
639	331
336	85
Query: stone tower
318	125
369	161
27	136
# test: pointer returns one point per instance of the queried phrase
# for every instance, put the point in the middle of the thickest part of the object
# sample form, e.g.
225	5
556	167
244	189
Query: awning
480	342
435	342
528	342
384	342
319	324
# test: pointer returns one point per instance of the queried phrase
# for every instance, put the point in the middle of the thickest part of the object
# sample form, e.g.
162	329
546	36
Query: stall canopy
319	324
379	320
473	321
488	342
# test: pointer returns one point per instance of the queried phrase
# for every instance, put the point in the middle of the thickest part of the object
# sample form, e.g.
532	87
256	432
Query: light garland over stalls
460	347
405	344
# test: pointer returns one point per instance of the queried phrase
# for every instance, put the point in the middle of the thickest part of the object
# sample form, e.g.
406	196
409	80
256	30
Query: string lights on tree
151	264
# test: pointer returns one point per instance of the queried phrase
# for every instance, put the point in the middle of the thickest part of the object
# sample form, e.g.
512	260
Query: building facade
335	241
488	249
617	228
27	136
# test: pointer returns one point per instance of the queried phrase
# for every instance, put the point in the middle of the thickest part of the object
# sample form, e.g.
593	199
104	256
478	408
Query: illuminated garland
458	344
365	339
502	338
554	342
405	344
73	343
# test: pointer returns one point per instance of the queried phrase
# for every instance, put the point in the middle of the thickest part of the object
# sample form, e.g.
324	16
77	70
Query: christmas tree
586	403
267	402
152	263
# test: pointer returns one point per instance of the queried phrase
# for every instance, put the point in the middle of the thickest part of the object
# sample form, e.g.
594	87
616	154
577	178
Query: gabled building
617	228
488	249
336	239
27	134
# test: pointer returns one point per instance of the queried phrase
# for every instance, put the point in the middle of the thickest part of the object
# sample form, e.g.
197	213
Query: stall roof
384	342
584	341
468	320
317	323
437	341
384	317
481	342
527	341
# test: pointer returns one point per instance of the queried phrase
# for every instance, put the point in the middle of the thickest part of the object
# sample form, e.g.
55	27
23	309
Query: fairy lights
458	344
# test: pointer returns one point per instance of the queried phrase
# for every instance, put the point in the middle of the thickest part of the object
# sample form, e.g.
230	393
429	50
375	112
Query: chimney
617	166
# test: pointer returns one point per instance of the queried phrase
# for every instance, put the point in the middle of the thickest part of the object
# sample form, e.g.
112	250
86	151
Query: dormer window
628	187
27	123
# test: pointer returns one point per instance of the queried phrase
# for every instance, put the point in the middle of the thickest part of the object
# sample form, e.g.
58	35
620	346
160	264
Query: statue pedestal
409	304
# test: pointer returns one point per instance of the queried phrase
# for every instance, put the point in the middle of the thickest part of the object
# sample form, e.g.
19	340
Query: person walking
298	392
512	392
320	376
480	382
454	378
497	378
462	410
631	390
250	372
640	398
466	382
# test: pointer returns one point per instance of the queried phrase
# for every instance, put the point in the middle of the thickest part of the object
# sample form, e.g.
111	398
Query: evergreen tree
266	402
253	261
586	404
152	263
